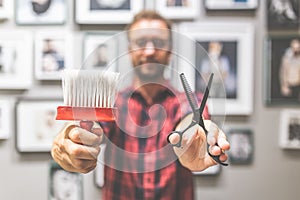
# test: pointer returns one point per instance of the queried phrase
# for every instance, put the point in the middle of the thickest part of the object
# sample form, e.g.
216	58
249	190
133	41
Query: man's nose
149	48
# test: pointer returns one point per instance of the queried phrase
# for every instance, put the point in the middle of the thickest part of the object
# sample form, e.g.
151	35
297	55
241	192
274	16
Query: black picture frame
278	49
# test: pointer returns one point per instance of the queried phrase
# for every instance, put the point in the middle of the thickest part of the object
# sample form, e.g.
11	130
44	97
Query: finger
82	136
83	165
78	151
87	125
223	143
174	138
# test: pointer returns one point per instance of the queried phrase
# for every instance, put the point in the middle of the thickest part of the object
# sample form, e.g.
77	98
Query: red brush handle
85	113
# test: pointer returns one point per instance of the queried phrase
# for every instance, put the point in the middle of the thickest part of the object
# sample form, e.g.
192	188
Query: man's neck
149	90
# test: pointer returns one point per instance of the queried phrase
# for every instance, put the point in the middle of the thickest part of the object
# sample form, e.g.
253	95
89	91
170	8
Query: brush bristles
89	88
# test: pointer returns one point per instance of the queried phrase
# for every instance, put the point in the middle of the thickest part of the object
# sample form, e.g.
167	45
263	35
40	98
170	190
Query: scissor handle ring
216	158
178	144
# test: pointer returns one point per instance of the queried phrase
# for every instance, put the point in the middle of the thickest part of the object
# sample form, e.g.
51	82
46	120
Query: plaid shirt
140	164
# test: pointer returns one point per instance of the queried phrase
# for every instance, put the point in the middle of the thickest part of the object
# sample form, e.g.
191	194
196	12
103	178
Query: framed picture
106	11
6	117
63	184
282	15
283	70
6	9
178	9
52	12
241	146
213	170
99	171
231	4
289	136
36	126
225	49
53	53
100	51
15	60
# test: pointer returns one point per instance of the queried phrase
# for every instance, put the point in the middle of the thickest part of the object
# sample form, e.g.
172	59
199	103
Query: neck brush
88	95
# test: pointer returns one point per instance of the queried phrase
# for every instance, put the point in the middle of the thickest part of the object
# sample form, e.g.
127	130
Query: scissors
197	113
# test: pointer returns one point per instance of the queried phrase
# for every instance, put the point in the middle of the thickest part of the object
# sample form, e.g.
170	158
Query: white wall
273	175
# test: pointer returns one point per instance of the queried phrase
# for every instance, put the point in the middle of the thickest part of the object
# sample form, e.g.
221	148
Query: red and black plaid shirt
140	164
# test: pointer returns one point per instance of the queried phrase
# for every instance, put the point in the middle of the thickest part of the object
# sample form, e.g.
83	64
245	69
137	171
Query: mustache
149	60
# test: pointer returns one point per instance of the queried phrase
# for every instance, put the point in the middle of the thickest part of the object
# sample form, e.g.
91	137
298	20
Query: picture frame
100	51
178	9
101	11
282	15
99	170
36	132
6	110
282	86
289	135
231	4
63	184
53	53
52	12
6	9
238	41
213	170
16	60
241	146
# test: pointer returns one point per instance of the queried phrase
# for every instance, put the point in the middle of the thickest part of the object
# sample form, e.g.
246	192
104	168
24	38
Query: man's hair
150	15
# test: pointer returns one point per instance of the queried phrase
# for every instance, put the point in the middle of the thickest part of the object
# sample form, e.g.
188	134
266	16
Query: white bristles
89	88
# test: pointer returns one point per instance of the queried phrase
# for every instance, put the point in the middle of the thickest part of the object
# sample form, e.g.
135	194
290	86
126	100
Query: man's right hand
76	149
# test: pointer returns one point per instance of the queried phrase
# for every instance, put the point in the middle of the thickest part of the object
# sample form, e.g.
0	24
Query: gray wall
273	174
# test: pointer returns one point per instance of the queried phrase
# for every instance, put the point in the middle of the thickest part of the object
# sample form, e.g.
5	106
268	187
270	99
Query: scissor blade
205	96
188	91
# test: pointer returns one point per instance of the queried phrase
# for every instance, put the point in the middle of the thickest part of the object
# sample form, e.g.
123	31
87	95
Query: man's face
149	48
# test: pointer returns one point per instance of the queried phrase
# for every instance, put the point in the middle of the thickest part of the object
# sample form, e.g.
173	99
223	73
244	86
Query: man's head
150	43
295	45
40	6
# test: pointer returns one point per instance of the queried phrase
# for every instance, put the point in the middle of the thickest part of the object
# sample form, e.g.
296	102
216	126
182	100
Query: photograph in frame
15	59
100	51
106	11
29	12
225	49
63	184
283	70
282	15
289	135
53	53
178	9
36	126
241	146
231	4
6	9
5	118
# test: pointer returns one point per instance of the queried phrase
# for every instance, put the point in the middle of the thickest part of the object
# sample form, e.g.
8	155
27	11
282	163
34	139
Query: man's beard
151	76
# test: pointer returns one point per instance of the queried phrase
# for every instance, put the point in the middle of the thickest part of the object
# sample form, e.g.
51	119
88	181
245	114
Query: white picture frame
16	64
231	4
239	33
99	170
6	9
36	126
6	110
53	53
52	12
178	9
213	170
100	51
289	135
88	13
